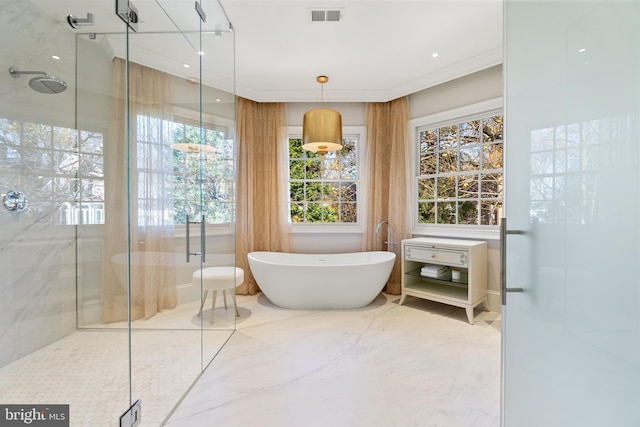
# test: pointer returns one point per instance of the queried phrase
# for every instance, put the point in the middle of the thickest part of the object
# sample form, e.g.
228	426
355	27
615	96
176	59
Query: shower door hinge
200	10
132	416
128	13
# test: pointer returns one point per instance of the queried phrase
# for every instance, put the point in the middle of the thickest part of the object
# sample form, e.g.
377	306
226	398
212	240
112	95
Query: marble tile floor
386	365
89	369
420	364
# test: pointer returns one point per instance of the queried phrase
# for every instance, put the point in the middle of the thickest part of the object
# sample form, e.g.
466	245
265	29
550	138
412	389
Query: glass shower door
179	218
160	113
571	324
217	172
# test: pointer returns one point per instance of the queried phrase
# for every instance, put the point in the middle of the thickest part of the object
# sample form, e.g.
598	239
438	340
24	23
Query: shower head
43	83
47	84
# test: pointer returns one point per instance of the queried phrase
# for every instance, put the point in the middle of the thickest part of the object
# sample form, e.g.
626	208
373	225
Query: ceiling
377	51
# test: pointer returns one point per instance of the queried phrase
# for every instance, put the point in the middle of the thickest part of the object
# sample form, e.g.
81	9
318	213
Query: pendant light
322	127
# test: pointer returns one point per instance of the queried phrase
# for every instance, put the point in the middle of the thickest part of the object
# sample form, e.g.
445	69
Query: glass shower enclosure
117	185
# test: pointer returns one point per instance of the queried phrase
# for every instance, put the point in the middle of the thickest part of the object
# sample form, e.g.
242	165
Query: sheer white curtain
139	196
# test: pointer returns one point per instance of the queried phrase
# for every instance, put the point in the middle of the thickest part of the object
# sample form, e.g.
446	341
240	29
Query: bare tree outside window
460	172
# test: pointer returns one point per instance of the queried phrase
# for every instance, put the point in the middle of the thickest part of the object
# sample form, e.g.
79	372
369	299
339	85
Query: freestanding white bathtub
321	281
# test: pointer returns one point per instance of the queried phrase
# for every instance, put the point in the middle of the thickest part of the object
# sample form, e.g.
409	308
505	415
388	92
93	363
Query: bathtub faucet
386	242
380	224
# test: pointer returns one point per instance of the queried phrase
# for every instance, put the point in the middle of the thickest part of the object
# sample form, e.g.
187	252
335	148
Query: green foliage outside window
203	183
323	189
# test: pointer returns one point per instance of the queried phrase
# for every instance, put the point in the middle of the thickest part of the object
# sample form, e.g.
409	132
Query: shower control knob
15	201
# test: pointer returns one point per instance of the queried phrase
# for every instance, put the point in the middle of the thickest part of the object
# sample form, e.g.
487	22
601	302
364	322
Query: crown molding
474	64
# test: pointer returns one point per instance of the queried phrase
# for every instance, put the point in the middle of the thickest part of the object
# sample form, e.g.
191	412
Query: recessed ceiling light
582	50
218	100
55	56
186	65
434	55
201	53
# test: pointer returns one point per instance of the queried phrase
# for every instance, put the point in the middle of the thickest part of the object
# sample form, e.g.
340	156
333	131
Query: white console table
466	256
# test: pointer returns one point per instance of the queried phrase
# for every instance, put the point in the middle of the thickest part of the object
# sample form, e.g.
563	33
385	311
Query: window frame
454	116
192	118
306	227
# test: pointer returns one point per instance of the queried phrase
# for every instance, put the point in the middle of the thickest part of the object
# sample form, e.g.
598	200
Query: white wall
477	87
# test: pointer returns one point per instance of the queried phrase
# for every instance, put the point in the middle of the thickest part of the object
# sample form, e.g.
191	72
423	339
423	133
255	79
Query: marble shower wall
37	254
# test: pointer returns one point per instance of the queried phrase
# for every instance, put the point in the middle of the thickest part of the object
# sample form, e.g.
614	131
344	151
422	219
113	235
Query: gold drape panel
388	180
261	217
144	225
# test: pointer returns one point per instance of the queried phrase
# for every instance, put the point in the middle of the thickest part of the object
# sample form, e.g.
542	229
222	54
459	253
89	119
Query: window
459	177
65	167
324	189
56	166
213	170
206	178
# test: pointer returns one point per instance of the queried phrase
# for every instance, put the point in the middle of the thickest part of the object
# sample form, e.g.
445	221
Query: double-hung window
324	189
202	183
459	177
207	178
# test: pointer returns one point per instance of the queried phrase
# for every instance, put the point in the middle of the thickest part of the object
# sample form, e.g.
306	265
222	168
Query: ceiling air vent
333	15
318	15
326	15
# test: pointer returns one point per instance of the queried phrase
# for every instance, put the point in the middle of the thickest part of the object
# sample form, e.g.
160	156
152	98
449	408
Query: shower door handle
503	260
188	243
202	239
203	248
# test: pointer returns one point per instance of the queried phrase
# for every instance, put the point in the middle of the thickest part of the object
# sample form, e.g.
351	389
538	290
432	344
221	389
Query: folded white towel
441	275
430	268
435	271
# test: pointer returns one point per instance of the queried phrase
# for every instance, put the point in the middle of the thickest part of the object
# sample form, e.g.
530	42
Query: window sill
488	233
325	229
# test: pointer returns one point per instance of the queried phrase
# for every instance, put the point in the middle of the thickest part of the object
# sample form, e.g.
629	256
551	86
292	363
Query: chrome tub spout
380	224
